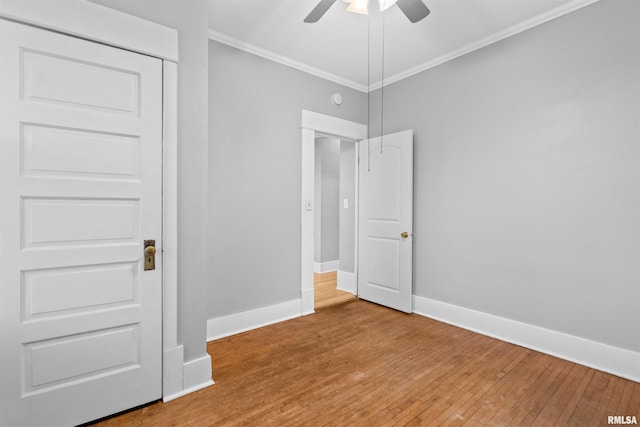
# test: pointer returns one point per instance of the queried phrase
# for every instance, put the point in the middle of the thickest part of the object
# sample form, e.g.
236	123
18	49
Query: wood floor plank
558	400
539	396
360	364
625	400
457	393
482	402
621	396
634	402
493	396
436	385
606	406
587	405
576	395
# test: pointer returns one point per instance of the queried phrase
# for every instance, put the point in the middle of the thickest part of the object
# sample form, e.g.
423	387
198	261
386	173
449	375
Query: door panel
84	356
105	286
80	185
53	222
385	274
48	77
386	211
52	151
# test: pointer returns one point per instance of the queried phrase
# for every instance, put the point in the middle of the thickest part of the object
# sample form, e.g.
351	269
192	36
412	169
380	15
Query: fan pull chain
368	91
368	155
382	91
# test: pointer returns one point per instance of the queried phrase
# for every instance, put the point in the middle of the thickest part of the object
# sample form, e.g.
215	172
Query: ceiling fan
415	10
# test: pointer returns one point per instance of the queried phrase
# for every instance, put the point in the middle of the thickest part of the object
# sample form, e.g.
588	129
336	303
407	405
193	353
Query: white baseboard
187	391
604	357
173	375
196	375
308	300
325	267
347	282
232	324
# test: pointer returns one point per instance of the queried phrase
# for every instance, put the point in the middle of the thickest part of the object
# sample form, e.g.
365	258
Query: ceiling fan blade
415	10
317	12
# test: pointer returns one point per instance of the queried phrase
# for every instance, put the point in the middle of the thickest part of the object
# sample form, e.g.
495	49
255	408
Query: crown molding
486	41
284	60
479	44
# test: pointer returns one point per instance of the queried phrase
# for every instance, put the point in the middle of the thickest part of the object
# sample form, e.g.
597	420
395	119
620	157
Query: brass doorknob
149	255
404	234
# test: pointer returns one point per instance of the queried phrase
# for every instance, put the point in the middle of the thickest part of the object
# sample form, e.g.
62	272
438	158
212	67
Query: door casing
314	124
83	19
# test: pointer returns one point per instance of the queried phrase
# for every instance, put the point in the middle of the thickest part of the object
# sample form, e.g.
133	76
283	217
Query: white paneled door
80	190
385	249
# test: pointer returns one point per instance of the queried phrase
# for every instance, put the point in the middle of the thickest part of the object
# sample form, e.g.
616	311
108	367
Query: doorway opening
334	221
317	126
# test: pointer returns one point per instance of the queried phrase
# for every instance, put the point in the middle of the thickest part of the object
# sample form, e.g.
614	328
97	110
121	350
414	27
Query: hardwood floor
325	292
360	364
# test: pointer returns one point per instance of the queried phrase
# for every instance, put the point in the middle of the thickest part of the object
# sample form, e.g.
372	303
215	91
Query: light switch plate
346	203
307	205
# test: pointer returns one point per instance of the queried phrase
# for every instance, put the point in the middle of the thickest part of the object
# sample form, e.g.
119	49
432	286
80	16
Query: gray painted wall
317	203
326	213
347	215
255	176
527	178
335	180
190	19
330	193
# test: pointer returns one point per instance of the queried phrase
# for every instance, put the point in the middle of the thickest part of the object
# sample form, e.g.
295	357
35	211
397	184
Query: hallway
325	290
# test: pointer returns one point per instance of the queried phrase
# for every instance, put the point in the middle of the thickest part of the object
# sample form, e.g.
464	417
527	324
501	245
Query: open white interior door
80	189
385	249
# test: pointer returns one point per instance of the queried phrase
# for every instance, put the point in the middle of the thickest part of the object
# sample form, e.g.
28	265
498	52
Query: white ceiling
347	48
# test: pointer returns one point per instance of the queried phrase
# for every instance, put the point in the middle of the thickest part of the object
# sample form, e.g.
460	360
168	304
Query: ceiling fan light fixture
386	4
414	10
362	6
359	6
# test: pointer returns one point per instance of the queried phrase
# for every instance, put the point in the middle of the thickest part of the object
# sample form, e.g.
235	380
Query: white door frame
86	20
312	124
